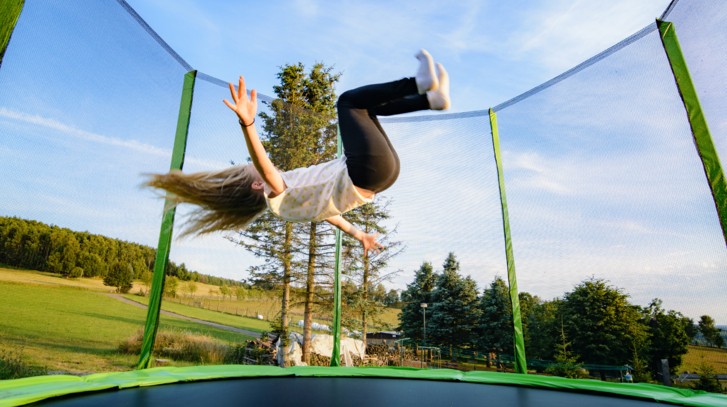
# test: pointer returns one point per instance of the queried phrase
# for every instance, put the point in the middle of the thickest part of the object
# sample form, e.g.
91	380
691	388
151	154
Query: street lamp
424	319
424	337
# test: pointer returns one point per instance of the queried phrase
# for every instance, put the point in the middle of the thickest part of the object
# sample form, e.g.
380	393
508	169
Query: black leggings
371	159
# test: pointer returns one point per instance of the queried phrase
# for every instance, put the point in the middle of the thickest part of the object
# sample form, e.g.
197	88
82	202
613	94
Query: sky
493	50
592	190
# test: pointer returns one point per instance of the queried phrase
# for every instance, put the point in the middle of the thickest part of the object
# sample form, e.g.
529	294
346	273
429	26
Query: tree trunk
287	271
310	288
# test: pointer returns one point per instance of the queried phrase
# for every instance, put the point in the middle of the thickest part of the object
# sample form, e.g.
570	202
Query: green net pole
336	354
700	131
9	14
165	234
520	361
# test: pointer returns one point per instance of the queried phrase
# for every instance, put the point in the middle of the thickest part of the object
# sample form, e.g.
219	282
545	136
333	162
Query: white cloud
561	34
129	144
82	134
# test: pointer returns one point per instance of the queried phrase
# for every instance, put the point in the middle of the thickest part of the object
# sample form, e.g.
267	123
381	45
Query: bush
12	366
569	369
708	380
181	346
77	272
120	276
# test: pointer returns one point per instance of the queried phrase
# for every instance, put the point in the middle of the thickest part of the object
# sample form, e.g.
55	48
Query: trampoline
321	386
590	96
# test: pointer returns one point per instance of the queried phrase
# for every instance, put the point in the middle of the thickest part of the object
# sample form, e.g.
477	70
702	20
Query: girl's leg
370	157
371	97
371	160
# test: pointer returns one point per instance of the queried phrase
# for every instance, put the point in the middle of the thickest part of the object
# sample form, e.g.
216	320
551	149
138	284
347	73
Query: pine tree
495	324
365	269
417	292
298	132
566	364
454	310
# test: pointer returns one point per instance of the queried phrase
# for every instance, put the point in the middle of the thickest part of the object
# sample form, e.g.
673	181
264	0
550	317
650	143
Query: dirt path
199	321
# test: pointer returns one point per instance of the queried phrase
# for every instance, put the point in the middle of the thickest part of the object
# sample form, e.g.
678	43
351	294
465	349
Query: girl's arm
246	109
368	240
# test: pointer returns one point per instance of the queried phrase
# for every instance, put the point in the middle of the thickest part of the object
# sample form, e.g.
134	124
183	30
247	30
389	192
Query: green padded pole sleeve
521	365
336	354
9	14
165	234
697	121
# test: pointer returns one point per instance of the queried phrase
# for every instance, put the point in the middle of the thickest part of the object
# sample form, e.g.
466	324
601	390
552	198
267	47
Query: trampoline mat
339	391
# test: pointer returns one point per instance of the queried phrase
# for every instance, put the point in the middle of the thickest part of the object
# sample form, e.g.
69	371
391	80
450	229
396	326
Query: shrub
12	366
708	380
77	272
120	276
181	346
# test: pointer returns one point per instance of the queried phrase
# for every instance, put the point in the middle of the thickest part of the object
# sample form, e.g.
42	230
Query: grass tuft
13	366
180	346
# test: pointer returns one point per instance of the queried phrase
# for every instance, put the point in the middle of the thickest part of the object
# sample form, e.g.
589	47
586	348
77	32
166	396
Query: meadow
76	326
699	355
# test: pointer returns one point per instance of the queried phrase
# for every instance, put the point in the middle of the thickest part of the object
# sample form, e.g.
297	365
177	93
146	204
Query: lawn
206	297
207	315
76	330
74	326
698	355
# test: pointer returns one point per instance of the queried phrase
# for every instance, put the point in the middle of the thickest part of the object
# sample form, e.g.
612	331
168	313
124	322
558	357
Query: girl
232	198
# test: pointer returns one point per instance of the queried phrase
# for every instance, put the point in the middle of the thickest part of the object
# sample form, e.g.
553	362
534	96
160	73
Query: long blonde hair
225	198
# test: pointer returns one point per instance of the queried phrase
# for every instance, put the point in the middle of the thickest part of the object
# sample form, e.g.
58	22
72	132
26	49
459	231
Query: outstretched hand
244	107
368	240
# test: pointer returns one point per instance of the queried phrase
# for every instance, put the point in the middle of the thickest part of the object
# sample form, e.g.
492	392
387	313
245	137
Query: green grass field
76	330
697	355
207	315
267	304
75	326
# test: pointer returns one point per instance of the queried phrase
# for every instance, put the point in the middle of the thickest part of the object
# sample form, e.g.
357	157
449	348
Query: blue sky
494	50
90	103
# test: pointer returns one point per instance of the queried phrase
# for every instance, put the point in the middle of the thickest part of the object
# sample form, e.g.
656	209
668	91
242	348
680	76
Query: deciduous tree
710	332
121	276
603	326
668	338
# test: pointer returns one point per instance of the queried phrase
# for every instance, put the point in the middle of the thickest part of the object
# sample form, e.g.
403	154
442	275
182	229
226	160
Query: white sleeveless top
316	193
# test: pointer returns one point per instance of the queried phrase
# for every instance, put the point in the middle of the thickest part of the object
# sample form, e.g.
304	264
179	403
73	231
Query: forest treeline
34	245
593	324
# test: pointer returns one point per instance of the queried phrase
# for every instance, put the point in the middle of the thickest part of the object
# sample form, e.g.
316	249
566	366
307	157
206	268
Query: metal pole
424	335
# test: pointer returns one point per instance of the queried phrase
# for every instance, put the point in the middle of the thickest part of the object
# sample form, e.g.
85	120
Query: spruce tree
417	292
495	324
298	131
454	309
